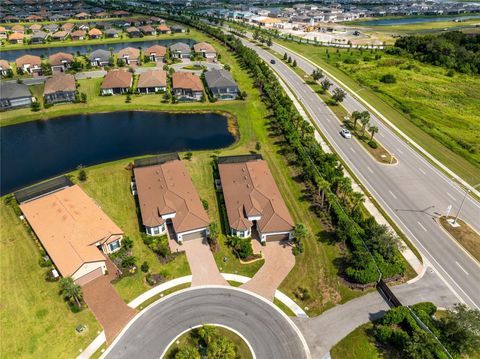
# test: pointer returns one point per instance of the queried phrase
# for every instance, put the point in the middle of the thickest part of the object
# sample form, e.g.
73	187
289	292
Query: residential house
60	61
148	30
180	50
255	207
82	16
14	95
104	25
152	81
34	18
102	15
163	29
16	38
59	88
116	82
60	35
121	13
4	68
18	28
51	28
132	31
78	35
3	33
35	27
29	63
207	50
221	84
187	86
177	29
112	33
156	53
11	18
100	58
38	37
74	231
168	200
95	34
129	55
68	26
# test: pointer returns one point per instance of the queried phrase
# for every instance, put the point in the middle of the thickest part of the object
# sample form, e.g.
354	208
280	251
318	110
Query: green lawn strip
360	345
465	235
163	294
35	321
430	101
284	308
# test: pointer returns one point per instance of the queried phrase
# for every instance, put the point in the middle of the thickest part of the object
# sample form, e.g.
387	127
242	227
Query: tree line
453	50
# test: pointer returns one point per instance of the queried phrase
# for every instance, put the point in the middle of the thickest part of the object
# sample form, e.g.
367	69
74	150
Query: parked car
273	62
346	133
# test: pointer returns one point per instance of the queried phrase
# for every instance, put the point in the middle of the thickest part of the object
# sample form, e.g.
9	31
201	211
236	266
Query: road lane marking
399	151
421	225
422	171
368	168
449	195
393	194
458	264
351	148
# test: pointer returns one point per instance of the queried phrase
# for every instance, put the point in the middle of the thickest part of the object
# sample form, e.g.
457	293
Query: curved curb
101	339
286	317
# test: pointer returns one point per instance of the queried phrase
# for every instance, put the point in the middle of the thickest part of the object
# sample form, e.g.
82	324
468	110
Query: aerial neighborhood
227	180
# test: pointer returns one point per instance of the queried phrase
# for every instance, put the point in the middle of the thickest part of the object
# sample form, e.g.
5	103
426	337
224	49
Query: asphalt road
269	332
413	192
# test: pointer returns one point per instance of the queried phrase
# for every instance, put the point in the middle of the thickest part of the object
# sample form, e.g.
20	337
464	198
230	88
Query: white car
346	133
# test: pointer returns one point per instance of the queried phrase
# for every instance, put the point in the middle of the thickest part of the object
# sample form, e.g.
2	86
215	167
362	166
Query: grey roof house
14	95
112	33
100	58
51	27
221	84
180	50
38	37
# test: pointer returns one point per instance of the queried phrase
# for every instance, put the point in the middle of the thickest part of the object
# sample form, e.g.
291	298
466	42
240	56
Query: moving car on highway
346	133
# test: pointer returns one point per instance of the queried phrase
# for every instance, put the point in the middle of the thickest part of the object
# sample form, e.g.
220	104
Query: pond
413	20
37	150
12	55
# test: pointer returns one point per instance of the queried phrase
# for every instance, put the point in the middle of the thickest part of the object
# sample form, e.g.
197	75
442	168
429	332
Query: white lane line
368	168
381	135
458	264
393	194
351	148
422	171
449	195
399	151
421	225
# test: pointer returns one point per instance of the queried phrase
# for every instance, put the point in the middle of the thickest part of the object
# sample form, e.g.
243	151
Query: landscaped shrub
158	244
388	79
427	307
242	247
373	144
145	267
383	333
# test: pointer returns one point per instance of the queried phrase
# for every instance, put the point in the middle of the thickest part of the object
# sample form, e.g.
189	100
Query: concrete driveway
279	261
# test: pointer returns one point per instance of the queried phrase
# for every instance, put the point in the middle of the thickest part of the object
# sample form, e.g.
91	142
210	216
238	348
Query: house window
114	245
156	230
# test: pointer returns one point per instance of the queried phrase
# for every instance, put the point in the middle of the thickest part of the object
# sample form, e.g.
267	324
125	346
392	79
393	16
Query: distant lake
12	55
37	150
413	20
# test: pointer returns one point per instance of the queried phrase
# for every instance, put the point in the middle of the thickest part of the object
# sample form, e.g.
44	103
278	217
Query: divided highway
412	192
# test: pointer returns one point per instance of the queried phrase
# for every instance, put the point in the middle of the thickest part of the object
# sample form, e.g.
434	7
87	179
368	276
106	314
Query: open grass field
439	112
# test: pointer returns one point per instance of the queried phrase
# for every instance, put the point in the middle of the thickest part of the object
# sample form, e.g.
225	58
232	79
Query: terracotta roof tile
186	80
153	78
28	60
157	50
117	79
59	83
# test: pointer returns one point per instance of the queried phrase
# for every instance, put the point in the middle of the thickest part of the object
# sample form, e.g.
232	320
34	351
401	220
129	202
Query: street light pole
467	191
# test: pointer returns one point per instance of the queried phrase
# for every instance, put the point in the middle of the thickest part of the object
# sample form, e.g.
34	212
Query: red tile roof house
68	26
133	31
168	198
35	27
253	201
78	35
148	30
187	86
129	55
207	50
60	88
29	63
60	35
116	82
74	232
60	61
82	16
95	34
18	28
3	33
152	81
16	38
163	29
156	53
4	67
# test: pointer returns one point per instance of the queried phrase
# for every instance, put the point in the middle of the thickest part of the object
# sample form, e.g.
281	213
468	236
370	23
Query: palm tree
300	232
356	115
373	130
364	121
70	290
357	198
207	333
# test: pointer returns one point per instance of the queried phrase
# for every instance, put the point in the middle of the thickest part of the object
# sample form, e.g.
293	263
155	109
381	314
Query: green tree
317	74
294	63
326	84
364	121
356	115
221	348
82	175
373	130
285	56
145	267
461	330
187	352
70	290
269	41
338	95
208	333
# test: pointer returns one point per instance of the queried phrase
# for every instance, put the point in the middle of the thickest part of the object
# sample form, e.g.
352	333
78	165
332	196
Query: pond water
12	55
414	20
37	150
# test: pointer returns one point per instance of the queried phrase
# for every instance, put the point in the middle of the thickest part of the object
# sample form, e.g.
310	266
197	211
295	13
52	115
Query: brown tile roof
147	28
131	52
78	33
60	34
203	47
153	78
59	57
157	50
34	17
4	65
18	28
16	36
163	28
35	27
167	188
70	224
68	26
94	32
250	190
2	29
59	83
117	79
132	29
186	80
28	60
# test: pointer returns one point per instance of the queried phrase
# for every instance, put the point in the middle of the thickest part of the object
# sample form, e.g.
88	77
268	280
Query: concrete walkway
279	261
324	331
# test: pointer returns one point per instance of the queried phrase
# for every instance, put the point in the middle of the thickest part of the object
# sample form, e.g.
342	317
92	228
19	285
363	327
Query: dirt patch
465	235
